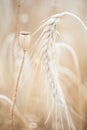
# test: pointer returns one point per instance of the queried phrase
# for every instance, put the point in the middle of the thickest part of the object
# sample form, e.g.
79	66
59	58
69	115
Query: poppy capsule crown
24	40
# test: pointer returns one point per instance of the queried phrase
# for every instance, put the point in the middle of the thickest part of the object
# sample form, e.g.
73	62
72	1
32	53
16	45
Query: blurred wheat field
43	65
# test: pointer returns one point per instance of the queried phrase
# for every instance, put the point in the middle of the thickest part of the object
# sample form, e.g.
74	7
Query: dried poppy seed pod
24	40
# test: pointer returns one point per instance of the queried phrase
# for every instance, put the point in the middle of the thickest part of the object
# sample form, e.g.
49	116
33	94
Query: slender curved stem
16	91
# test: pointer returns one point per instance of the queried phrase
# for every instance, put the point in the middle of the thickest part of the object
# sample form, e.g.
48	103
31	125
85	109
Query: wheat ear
43	48
44	51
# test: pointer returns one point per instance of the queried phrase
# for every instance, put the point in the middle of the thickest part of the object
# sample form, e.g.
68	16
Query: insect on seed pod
24	40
